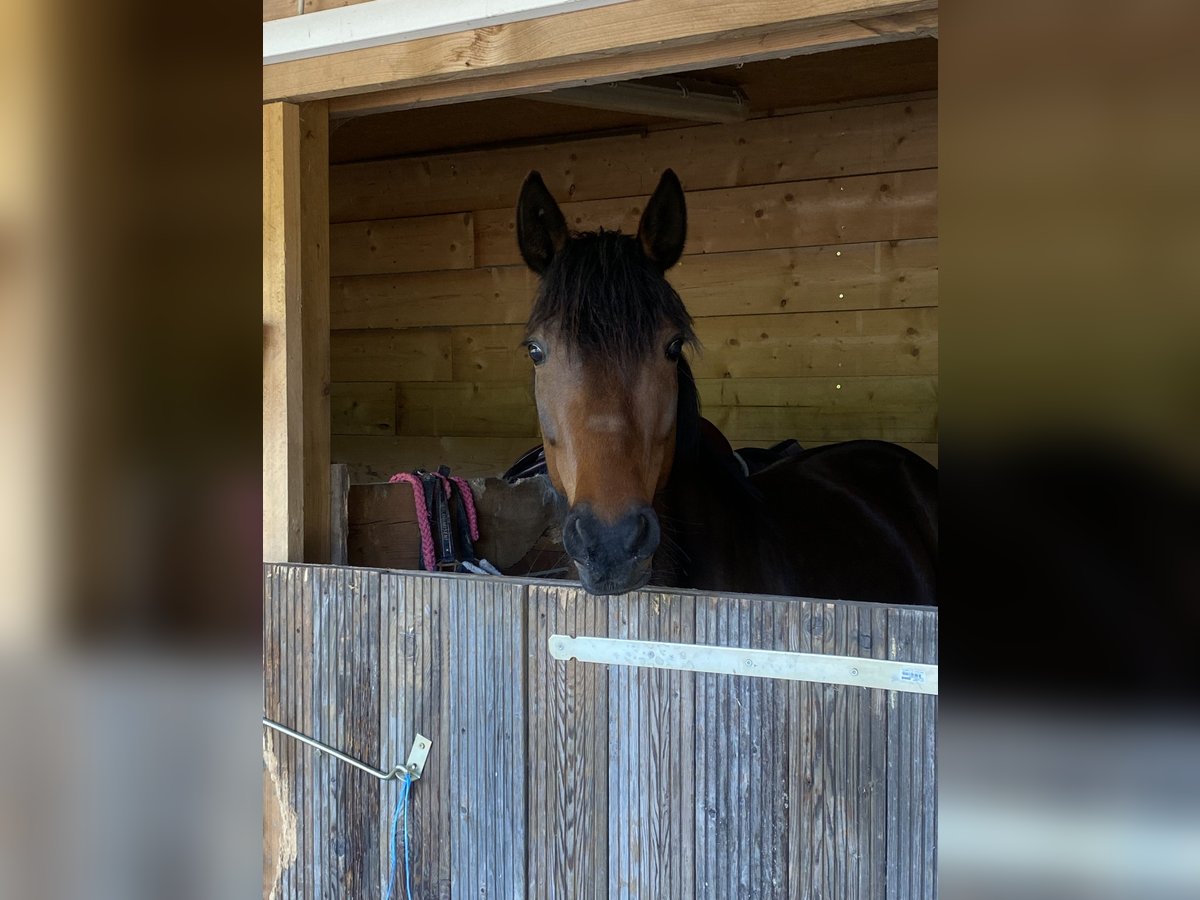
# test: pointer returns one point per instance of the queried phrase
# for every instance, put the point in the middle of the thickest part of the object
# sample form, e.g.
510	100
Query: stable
395	143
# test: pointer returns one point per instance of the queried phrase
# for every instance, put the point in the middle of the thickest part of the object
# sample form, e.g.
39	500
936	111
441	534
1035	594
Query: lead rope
401	806
428	556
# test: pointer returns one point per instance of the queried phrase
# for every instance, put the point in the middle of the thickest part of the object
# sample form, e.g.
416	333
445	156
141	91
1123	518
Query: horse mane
605	297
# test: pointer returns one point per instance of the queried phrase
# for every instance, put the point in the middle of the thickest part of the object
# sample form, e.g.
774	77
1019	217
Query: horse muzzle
612	557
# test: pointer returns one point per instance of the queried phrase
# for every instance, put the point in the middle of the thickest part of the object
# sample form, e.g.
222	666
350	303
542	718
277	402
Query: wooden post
296	332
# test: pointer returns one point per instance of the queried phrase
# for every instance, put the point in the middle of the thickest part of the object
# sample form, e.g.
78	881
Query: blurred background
130	683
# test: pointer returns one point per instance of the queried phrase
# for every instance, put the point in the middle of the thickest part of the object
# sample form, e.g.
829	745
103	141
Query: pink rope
427	553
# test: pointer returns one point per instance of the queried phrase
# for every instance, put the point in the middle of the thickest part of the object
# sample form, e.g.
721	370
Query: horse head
606	337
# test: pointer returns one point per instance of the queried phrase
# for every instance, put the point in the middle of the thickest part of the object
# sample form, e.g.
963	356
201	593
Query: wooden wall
811	268
563	779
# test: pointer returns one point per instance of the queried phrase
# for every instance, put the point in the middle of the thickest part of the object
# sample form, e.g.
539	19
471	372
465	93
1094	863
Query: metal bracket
414	767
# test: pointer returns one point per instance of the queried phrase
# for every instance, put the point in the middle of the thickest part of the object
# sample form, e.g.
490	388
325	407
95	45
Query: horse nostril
644	539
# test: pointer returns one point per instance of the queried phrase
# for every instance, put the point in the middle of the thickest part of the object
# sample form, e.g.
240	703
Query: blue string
401	805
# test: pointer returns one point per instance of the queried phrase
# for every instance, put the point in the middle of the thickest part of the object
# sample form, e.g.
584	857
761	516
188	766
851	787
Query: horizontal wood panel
890	207
377	458
578	37
362	407
488	296
402	245
489	353
500	410
279	9
417	354
826	144
865	342
897	408
874	275
470	457
850	276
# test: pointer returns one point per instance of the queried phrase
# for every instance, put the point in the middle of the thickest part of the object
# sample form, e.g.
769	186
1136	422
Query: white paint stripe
380	22
916	678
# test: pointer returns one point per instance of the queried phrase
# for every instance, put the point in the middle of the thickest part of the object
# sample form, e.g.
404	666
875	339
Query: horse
652	492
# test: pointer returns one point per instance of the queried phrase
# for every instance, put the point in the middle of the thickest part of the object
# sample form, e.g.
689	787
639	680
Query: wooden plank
878	275
279	9
730	50
481	409
874	275
339	513
378	458
827	144
571	37
863	342
857	342
486	734
363	407
896	408
283	396
403	245
295	332
314	302
383	529
569	763
857	209
417	354
651	715
465	297
415	697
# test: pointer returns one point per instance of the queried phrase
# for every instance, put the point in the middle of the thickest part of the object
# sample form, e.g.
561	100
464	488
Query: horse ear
541	228
663	228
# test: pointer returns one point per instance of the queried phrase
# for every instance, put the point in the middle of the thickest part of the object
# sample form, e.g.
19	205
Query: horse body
648	498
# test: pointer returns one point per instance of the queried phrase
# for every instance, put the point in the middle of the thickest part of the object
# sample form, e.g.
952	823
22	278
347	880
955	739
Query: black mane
606	300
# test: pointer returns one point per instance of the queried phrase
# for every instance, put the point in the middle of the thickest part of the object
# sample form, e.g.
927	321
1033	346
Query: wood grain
895	206
827	144
403	245
873	275
593	34
569	752
418	354
363	407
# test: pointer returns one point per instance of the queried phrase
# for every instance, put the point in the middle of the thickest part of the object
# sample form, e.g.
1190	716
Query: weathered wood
363	407
403	245
569	752
895	206
486	737
568	779
339	513
571	37
828	144
415	354
651	715
656	59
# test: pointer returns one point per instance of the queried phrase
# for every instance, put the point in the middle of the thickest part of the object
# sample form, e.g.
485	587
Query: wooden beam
785	42
295	332
588	36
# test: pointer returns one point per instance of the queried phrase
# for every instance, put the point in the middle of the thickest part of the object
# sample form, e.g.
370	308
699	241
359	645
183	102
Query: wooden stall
810	267
395	140
553	778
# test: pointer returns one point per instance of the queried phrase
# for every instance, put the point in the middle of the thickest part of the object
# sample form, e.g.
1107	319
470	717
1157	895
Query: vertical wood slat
786	789
569	763
486	737
296	440
651	820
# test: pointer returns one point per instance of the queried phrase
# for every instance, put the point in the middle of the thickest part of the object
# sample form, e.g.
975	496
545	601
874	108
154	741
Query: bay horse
652	493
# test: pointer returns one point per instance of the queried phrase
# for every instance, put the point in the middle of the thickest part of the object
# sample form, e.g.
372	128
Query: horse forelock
603	299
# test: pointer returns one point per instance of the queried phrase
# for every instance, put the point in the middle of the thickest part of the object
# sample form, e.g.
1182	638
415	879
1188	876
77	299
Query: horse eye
675	349
537	353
